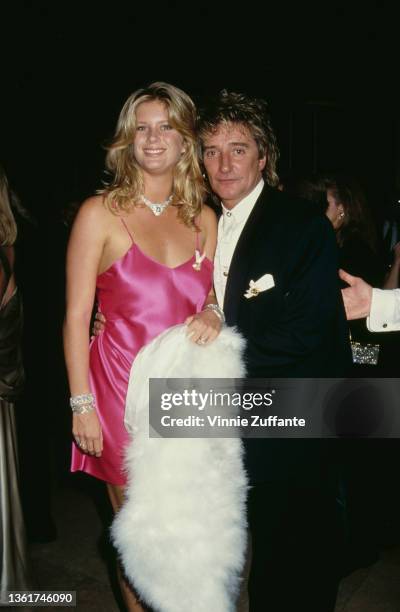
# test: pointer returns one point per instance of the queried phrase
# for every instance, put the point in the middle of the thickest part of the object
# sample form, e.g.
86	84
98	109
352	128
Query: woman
14	573
355	232
345	205
144	247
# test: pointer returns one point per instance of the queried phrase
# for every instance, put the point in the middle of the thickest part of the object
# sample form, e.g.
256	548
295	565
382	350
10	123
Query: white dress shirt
230	226
385	310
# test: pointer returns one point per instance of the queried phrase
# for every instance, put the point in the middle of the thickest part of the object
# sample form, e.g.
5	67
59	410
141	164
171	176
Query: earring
341	215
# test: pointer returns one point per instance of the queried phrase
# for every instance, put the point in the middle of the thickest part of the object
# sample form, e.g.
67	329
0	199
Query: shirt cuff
382	314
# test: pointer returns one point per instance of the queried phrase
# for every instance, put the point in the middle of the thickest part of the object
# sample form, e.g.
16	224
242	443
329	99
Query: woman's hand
87	432
203	327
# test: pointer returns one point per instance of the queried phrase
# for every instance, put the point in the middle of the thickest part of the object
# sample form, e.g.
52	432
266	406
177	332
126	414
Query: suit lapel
242	256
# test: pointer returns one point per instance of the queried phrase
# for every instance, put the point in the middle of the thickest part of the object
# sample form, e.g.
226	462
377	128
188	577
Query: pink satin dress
140	298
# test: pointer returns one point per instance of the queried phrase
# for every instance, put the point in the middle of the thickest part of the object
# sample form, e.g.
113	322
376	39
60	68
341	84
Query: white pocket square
262	284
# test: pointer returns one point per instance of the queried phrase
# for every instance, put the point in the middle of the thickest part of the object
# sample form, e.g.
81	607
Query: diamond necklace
157	208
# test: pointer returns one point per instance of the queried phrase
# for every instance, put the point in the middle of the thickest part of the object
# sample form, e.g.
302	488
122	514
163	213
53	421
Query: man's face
232	162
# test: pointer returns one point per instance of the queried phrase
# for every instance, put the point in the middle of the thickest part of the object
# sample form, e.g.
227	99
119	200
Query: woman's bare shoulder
93	219
94	207
93	210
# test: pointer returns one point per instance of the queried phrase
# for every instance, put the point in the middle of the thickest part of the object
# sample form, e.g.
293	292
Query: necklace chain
157	208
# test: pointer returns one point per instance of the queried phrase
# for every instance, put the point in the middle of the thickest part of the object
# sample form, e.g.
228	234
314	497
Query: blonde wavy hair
8	226
126	186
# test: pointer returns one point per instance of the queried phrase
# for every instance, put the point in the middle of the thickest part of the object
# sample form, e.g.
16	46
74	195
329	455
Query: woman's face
157	146
335	211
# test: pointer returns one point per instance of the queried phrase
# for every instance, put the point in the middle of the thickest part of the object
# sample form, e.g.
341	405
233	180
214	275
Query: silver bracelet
217	310
82	404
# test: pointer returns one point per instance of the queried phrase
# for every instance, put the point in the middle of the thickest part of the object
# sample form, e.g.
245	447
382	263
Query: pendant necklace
157	208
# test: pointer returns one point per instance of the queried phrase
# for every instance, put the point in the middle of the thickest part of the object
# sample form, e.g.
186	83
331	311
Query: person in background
381	307
14	563
345	205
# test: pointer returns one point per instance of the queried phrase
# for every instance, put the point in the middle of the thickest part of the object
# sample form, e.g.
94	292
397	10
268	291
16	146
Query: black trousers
296	540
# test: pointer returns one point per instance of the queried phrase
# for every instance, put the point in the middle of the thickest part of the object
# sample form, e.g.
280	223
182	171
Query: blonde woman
14	571
144	248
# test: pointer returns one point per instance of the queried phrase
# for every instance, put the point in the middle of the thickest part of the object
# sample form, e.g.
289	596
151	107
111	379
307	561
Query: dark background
328	69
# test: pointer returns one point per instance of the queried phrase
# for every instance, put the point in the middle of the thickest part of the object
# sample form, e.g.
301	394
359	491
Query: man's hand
357	298
99	324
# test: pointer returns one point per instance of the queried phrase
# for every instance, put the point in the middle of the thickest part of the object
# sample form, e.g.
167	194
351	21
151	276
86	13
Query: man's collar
242	210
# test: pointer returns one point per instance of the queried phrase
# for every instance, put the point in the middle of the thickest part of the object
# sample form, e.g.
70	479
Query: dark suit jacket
296	329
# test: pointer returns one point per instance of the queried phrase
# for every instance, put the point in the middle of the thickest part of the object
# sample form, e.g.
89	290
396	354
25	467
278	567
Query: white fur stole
181	532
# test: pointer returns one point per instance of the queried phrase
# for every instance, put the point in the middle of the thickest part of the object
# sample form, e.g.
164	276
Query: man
294	328
380	306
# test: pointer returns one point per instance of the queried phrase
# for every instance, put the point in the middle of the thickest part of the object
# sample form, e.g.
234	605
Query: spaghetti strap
127	229
198	233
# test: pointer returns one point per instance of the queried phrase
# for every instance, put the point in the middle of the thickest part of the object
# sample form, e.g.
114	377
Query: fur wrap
181	533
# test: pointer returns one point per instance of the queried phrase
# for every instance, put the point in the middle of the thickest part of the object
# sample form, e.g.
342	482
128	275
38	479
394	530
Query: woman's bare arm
84	253
205	326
